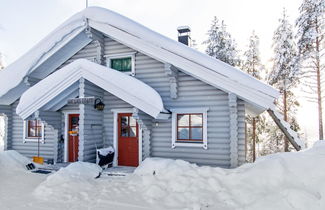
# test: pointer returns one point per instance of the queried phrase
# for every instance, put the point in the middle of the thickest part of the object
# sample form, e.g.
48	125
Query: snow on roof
137	36
142	96
11	76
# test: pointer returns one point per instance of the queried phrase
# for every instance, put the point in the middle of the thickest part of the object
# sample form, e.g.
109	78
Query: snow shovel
38	159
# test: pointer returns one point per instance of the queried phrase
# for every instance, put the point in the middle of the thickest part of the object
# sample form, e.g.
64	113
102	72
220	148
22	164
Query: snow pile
106	151
11	161
69	183
279	181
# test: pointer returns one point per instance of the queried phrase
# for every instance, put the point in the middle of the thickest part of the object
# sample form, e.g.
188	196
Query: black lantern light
99	105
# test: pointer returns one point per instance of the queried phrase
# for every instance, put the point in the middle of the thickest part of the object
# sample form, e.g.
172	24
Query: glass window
122	64
190	127
34	129
128	126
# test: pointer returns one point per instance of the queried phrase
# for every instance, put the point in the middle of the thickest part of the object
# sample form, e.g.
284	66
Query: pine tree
220	45
284	73
311	44
252	62
252	65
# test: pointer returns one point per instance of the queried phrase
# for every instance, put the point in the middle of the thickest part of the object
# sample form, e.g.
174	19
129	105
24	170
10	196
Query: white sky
23	23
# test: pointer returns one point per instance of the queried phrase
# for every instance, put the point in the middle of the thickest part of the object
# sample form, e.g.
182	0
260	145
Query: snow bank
279	181
12	161
68	182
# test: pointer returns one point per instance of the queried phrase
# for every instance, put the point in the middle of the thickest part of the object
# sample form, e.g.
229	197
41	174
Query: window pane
196	120
133	131
122	64
39	132
32	123
32	132
133	122
183	133
75	121
183	120
196	133
124	131
116	64
124	121
124	126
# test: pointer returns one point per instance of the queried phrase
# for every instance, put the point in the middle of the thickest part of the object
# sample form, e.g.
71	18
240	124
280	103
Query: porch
72	92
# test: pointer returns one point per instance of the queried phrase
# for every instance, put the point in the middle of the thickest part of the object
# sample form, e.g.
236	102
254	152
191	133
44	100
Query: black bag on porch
105	157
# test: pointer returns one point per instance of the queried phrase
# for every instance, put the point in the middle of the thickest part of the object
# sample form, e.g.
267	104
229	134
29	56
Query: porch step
118	171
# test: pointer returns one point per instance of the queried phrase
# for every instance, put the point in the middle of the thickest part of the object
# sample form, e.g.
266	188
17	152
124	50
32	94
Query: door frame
115	134
66	130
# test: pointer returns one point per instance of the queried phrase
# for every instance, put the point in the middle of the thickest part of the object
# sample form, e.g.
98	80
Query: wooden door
128	140
73	125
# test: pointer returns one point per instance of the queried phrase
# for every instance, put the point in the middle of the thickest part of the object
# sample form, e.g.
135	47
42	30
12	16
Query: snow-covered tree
311	44
2	65
252	61
252	65
284	73
220	45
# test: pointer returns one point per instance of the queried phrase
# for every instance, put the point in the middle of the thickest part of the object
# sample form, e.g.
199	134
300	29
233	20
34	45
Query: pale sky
23	23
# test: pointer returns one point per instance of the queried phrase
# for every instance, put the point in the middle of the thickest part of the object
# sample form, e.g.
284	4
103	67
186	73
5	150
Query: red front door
73	137
128	140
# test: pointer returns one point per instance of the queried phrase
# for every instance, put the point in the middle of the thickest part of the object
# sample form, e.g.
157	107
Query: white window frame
32	139
122	55
200	110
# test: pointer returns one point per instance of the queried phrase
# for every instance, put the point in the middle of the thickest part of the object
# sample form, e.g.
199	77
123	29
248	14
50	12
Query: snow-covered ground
281	181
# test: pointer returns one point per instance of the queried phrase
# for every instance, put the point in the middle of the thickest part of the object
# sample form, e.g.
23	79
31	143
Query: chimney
184	35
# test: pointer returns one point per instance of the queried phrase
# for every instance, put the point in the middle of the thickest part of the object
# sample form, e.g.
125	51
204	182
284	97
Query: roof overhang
123	86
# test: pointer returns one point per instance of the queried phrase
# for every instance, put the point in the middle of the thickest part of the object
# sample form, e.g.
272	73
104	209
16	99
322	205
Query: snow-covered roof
141	95
210	70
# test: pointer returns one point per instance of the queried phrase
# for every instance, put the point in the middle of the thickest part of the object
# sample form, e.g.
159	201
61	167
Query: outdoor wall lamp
99	105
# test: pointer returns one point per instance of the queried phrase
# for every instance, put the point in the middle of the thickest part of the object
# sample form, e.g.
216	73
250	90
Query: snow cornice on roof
141	38
142	96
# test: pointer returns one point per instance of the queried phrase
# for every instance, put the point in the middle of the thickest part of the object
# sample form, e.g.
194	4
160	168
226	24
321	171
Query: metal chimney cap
183	29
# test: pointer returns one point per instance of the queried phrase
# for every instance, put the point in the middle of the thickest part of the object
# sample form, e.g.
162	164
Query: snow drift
12	161
69	182
283	181
279	181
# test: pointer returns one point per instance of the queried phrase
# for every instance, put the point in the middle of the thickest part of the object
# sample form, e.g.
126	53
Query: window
128	126
189	127
122	62
33	130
